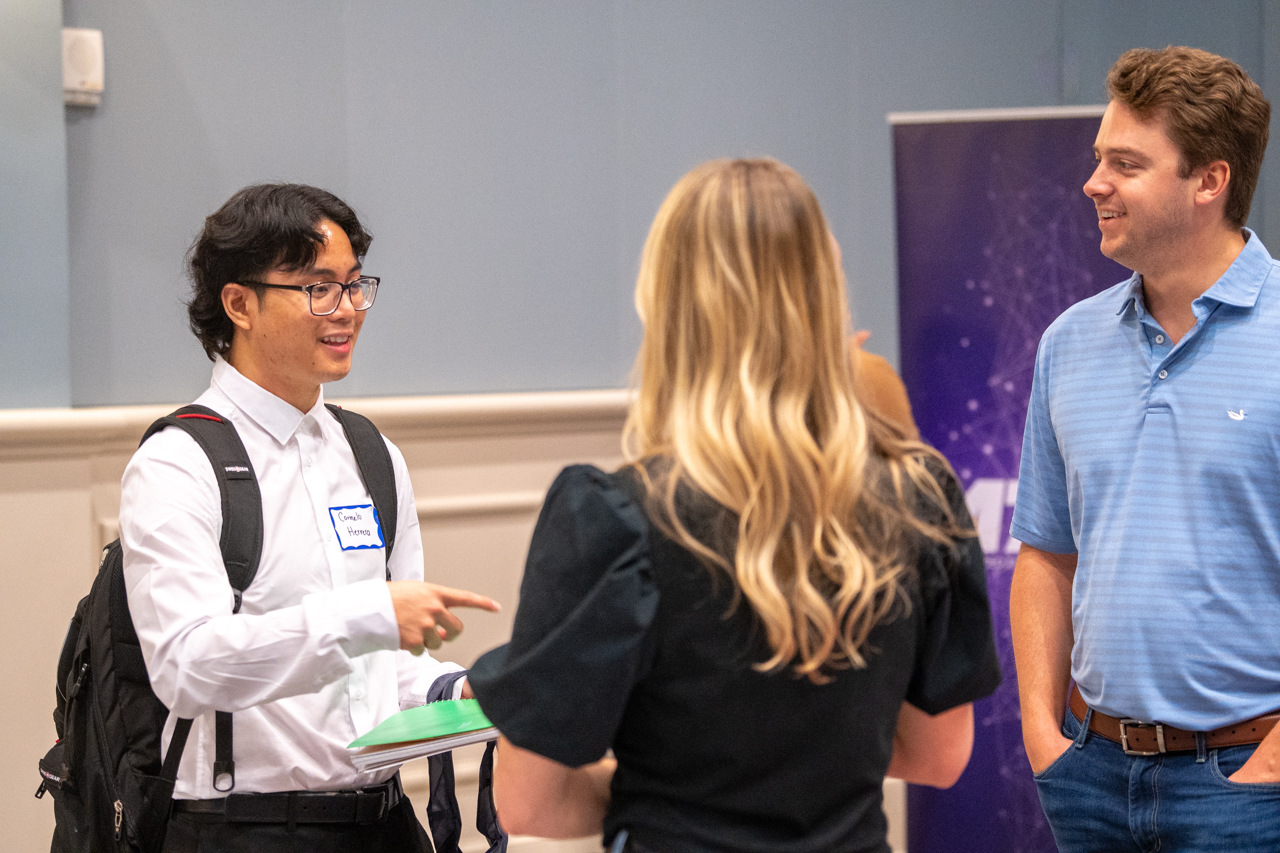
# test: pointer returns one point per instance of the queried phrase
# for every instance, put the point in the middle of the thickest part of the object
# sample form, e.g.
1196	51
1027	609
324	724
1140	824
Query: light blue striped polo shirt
1160	466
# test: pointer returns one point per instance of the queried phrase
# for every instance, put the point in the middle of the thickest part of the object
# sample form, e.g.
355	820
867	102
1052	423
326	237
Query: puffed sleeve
956	659
560	686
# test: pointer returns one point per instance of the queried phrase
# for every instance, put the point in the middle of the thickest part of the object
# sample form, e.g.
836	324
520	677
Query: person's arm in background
537	796
932	749
878	387
1040	618
927	749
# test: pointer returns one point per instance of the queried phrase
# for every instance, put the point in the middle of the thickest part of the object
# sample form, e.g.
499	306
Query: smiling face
279	344
1146	207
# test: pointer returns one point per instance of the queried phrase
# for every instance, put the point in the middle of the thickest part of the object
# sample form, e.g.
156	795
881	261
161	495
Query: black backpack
111	789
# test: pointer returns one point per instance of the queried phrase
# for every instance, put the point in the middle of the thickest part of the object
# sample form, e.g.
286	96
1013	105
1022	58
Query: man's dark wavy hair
260	228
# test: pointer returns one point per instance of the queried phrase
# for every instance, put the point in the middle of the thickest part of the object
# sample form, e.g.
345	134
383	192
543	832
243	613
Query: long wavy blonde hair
746	395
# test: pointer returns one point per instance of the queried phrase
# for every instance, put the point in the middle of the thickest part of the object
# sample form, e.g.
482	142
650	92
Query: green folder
422	731
453	717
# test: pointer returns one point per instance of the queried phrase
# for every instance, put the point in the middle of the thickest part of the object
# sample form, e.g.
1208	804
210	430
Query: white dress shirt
312	659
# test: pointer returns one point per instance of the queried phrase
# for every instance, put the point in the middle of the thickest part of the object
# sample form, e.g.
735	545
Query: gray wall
510	156
33	207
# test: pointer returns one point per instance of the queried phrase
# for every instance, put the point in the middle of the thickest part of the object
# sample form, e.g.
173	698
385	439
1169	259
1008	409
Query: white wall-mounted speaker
83	67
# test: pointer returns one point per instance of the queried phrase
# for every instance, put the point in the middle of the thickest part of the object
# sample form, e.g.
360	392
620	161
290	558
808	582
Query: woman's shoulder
581	479
598	502
591	524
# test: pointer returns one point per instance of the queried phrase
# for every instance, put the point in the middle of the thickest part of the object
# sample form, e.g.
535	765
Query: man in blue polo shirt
1149	495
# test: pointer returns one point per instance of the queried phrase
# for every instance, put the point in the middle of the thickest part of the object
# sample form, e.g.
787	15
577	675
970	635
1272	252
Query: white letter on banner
988	498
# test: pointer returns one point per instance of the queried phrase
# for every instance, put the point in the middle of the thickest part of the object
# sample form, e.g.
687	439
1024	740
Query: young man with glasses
319	650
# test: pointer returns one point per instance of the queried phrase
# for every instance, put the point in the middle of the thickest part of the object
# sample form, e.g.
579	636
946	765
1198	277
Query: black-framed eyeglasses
324	297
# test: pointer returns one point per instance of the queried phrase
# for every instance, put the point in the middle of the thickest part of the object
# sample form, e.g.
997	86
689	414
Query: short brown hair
1213	111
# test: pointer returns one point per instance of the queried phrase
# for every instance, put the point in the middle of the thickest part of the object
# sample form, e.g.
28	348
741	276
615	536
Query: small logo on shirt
1236	416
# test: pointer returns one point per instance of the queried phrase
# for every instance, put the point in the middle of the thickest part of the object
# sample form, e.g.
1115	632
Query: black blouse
623	640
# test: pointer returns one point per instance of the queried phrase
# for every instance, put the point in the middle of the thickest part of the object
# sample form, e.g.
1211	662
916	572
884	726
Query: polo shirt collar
277	418
1242	282
1132	305
1239	285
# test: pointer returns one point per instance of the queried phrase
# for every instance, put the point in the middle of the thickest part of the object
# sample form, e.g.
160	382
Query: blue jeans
1099	800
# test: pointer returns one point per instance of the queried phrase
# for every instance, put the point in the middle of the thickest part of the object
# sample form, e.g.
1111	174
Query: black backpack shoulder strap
240	543
241	538
374	462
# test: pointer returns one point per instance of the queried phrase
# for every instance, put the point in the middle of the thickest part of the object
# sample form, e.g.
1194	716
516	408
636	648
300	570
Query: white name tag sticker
357	527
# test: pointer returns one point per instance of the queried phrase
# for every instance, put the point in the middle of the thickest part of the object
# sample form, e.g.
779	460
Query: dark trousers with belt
251	829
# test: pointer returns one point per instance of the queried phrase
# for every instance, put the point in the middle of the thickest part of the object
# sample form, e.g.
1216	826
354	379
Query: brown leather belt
1140	738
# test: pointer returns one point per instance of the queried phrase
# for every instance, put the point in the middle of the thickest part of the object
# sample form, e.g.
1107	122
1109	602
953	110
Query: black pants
400	832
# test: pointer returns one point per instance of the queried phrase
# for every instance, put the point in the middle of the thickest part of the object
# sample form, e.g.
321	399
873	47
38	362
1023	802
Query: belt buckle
1138	724
377	800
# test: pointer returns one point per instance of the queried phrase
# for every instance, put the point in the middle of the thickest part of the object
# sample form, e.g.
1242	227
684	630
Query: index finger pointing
465	598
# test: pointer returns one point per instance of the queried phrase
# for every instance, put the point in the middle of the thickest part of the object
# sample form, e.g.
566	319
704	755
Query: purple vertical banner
995	239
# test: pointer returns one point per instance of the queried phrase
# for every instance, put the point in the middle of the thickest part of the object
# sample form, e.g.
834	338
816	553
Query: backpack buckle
224	776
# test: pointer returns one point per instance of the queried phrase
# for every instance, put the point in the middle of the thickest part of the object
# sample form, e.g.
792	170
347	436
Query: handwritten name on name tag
357	526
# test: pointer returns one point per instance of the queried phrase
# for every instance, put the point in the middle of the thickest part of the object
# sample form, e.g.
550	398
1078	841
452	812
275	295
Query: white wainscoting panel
480	465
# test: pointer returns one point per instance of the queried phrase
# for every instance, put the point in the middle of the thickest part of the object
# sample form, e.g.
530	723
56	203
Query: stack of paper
426	730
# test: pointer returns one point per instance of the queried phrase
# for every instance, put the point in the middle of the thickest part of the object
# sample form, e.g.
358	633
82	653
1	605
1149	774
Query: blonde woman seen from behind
779	600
